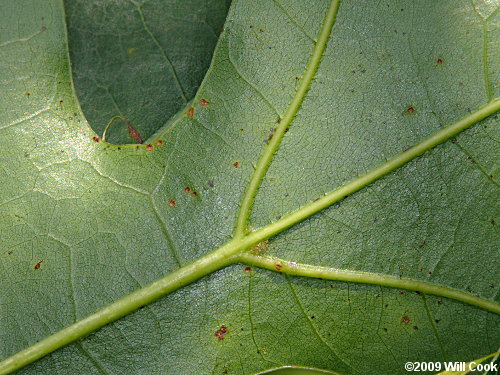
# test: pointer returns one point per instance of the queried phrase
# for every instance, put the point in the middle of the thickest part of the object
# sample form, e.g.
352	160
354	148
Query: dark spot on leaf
278	266
95	138
28	93
401	292
418	292
313	317
37	266
132	51
439	302
60	102
149	147
385	329
159	142
9	252
187	189
210	183
247	269
194	194
415	327
405	320
190	112
236	164
221	333
453	140
133	133
204	102
437	320
410	110
439	61
171	203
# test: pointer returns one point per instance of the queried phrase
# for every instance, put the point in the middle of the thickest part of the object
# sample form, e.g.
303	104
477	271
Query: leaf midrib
234	251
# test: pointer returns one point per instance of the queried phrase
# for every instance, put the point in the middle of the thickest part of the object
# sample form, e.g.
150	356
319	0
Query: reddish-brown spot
133	133
405	320
204	102
247	269
60	102
236	164
220	333
95	138
187	189
37	266
132	51
194	193
410	110
278	266
439	61
28	93
190	112
171	203
159	142
149	147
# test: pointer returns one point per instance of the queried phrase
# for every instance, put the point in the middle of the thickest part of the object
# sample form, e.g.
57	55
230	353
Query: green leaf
354	228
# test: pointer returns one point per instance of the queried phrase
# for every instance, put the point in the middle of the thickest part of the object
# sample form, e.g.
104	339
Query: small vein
294	21
165	232
26	39
487	85
434	328
27	118
240	75
163	52
94	362
310	323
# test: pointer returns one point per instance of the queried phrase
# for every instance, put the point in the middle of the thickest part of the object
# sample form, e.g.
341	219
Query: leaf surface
84	223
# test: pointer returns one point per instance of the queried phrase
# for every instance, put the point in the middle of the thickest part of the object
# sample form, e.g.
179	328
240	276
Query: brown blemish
159	142
278	266
439	61
60	102
236	164
221	333
187	190
28	93
190	112
410	110
96	139
194	193
405	320
171	203
133	133
132	51
149	147
260	247
37	266
204	102
247	269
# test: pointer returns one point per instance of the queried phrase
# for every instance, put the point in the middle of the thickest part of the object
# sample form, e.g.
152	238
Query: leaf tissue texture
141	60
84	222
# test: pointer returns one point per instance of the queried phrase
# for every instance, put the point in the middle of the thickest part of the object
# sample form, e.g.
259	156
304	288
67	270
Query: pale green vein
328	273
164	54
434	328
267	156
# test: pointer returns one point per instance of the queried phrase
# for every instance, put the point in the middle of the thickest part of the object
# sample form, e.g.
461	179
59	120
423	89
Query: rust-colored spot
439	61
171	203
187	190
194	193
159	142
95	138
132	51
278	266
204	102
410	110
405	320
236	164
247	269
190	112
149	147
261	247
133	133
37	266
28	93
220	333
60	102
